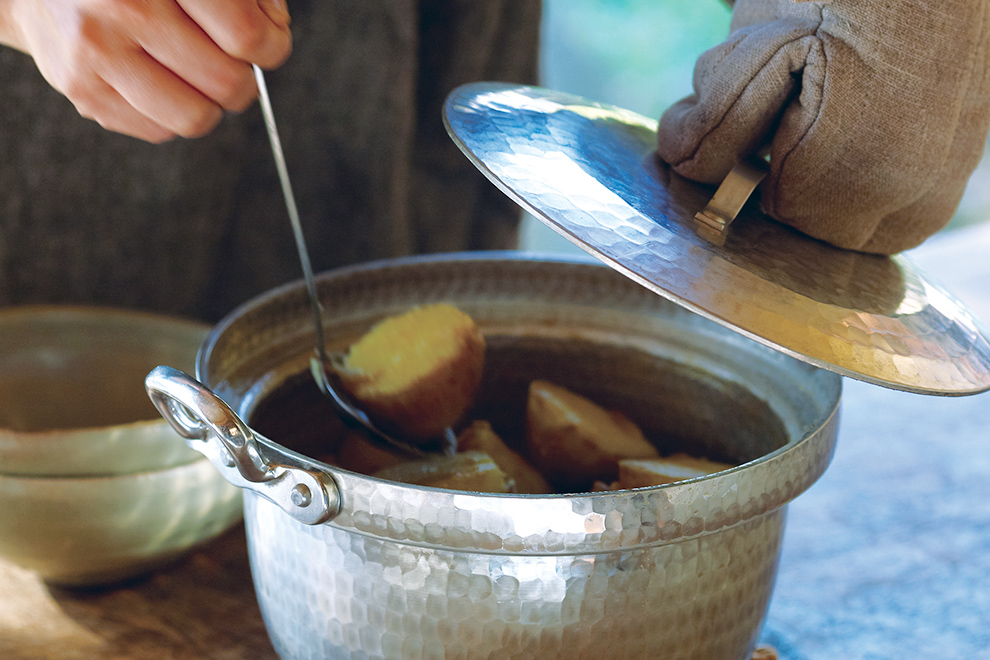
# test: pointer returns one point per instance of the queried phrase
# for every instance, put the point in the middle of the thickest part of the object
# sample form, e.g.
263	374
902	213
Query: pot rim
650	515
570	523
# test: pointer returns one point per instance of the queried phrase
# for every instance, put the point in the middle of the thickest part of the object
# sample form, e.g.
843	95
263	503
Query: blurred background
648	69
890	594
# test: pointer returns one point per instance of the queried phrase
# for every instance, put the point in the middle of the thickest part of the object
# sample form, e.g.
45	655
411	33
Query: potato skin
574	442
480	436
640	473
430	405
441	385
356	453
472	471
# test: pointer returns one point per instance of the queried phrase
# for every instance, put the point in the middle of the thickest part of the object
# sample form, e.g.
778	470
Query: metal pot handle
196	414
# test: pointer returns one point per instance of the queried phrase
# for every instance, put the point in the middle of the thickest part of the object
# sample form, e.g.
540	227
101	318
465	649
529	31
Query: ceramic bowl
94	486
98	530
72	399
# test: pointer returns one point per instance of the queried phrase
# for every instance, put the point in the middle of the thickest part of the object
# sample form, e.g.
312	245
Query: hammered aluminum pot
350	566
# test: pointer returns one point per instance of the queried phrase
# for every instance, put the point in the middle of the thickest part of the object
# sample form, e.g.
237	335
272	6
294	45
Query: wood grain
202	607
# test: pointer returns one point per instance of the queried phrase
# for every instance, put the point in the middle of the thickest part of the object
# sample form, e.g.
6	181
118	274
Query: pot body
329	593
684	570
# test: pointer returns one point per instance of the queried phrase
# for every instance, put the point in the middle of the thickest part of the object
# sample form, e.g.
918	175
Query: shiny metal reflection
590	172
684	570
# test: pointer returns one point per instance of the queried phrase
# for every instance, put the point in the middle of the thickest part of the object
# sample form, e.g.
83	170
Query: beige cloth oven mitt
875	112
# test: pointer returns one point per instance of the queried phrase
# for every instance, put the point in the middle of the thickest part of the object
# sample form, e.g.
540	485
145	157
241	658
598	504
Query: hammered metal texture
683	571
591	173
328	593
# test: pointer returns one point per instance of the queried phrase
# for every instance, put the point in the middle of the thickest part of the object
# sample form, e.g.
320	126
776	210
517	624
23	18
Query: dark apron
195	227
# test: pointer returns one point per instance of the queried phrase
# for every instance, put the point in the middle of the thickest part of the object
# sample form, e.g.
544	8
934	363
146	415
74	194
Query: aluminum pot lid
590	171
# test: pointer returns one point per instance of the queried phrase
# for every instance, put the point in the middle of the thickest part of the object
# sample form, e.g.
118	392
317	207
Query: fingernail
277	11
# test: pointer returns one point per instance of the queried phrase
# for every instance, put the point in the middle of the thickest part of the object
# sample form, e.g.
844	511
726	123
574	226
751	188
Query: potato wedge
481	437
471	470
358	454
573	442
418	372
640	473
700	463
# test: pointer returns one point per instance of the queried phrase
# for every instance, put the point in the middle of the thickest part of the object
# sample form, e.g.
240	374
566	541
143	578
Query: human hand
151	69
875	113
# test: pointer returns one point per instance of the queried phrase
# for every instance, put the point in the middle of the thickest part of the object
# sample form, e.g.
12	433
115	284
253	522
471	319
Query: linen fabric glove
875	113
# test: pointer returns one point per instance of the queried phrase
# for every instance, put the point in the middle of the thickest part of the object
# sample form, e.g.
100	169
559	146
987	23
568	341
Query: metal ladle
322	365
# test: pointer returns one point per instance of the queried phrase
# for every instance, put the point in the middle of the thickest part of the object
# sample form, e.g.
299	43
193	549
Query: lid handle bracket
732	194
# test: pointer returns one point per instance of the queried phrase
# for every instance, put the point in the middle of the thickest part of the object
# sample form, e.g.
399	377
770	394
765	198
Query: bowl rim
85	479
88	531
51	440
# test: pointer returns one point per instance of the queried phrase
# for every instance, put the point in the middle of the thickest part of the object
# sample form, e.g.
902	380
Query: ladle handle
214	430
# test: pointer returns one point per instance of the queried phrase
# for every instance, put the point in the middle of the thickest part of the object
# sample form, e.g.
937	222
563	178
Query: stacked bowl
94	486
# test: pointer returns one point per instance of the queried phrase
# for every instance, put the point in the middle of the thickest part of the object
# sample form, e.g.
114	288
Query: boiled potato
417	373
358	454
480	436
639	473
575	442
471	470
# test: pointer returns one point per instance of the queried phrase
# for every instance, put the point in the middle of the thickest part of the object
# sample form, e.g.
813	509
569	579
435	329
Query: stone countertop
887	556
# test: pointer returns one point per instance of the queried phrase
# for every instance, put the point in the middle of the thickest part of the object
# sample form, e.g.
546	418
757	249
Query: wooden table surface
887	556
202	607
